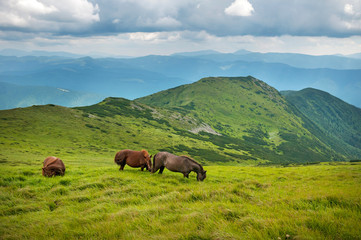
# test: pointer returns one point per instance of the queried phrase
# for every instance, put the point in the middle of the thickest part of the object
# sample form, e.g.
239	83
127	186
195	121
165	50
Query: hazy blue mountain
13	96
344	84
292	59
136	77
196	53
355	55
108	77
21	53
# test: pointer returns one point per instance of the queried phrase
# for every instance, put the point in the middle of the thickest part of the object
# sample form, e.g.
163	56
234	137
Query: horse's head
201	175
147	159
47	172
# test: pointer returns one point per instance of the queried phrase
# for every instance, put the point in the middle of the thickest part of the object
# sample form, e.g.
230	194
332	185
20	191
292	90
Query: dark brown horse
53	166
175	163
134	159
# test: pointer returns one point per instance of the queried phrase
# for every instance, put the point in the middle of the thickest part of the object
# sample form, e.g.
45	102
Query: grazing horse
134	159
175	163
53	166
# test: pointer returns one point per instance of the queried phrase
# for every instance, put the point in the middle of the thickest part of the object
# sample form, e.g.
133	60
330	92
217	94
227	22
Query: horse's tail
153	165
119	158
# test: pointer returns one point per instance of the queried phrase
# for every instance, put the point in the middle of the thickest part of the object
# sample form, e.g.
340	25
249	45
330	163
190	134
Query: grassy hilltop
251	115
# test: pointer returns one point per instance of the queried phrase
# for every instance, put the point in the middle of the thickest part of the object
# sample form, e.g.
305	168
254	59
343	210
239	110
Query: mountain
215	120
137	77
250	115
339	121
108	77
196	53
355	55
292	59
21	53
13	96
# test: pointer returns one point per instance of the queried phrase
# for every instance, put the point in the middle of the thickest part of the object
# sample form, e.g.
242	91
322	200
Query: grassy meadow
96	201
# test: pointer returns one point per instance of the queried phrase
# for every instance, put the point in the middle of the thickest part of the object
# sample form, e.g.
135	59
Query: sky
162	27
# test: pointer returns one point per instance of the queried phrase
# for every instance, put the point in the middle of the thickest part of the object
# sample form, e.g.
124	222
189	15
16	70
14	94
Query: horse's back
122	155
54	165
173	162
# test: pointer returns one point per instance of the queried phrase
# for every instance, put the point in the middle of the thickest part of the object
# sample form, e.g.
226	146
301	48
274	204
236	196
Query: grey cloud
265	18
334	18
47	15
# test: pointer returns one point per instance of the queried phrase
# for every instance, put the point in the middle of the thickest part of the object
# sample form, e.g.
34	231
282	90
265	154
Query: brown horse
134	159
53	166
175	163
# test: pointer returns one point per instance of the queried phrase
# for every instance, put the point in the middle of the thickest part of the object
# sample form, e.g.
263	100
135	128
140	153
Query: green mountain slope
100	130
215	120
339	121
251	116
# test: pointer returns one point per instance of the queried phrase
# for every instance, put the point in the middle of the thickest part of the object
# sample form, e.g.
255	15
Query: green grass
96	201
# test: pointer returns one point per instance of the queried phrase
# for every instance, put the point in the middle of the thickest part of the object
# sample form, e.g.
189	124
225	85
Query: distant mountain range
14	96
215	120
137	77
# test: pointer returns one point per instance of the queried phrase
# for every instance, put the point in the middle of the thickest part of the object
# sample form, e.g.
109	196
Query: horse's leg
161	169
122	164
142	168
186	175
156	164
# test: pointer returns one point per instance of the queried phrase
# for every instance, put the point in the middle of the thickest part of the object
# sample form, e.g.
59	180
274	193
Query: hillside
338	120
215	120
251	116
100	130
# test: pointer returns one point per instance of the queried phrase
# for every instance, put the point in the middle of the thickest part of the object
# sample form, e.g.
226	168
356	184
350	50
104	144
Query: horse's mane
192	160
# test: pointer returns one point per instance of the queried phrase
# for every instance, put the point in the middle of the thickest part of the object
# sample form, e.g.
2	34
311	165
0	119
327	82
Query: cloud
240	8
332	18
162	22
34	6
349	9
47	15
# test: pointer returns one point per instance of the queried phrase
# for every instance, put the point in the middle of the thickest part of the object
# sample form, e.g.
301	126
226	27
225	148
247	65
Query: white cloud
241	8
34	7
47	15
142	36
349	9
161	22
8	19
167	22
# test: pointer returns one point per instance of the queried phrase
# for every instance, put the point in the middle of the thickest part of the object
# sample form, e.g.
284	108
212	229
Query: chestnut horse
175	163
53	166
134	159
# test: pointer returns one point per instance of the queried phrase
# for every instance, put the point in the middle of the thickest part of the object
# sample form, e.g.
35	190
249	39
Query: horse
53	166
176	163
134	159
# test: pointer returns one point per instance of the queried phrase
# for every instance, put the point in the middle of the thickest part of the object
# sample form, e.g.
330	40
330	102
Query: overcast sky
142	27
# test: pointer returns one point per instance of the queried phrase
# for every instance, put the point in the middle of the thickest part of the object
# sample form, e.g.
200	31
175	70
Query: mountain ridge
142	76
251	111
216	120
337	119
